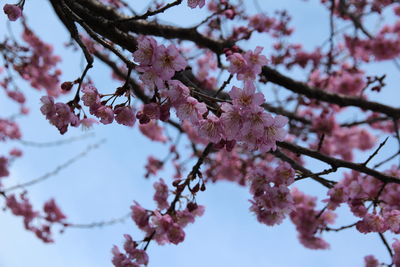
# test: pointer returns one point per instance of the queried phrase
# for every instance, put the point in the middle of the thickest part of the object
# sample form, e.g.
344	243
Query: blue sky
103	185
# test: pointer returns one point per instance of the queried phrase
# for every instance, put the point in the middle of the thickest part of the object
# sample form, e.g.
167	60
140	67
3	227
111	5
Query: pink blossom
105	113
15	152
40	68
371	223
17	96
133	256
255	122
232	120
151	79
392	220
396	250
161	223
226	166
153	131
247	66
140	216
246	98
168	60
371	261
43	232
271	203
152	110
4	167
191	110
261	22
119	259
153	166
307	222
22	208
53	212
283	174
366	140
13	12
211	128
176	234
146	50
255	60
238	63
48	108
9	130
177	92
167	230
91	97
63	115
59	114
125	116
186	216
274	132
161	194
140	256
195	3
193	134
87	123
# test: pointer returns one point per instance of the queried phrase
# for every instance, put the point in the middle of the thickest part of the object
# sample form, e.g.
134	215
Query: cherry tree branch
338	163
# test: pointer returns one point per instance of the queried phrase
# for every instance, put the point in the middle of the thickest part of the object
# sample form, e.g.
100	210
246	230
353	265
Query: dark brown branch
318	94
279	154
59	8
98	17
150	13
384	241
375	152
340	228
119	35
338	163
224	85
367	121
191	176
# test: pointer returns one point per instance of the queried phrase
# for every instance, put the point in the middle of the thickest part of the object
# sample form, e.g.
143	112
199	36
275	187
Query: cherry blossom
13	12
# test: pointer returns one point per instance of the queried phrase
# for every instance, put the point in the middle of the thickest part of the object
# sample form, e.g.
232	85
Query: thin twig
57	169
98	224
151	12
56	143
375	152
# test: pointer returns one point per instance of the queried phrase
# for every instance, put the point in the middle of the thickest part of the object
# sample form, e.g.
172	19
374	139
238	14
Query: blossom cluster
272	199
265	24
338	140
122	114
384	46
165	227
347	81
62	115
9	130
133	257
309	221
357	190
40	68
51	215
195	3
232	121
13	12
243	120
